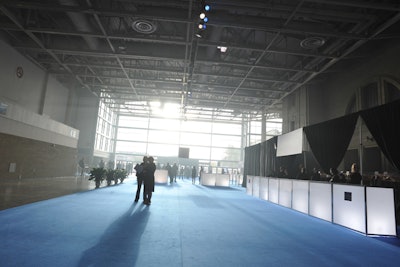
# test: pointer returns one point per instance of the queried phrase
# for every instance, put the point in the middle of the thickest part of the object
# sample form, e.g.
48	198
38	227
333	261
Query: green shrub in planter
110	176
97	174
120	174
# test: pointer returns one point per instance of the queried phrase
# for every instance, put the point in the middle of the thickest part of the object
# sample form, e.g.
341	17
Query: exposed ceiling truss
138	51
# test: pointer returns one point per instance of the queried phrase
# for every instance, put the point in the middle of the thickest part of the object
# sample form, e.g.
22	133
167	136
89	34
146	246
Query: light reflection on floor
17	192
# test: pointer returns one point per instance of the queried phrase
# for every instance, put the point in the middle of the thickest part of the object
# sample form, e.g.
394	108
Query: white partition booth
369	210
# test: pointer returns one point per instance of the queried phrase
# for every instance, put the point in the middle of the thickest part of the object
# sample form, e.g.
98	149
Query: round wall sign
20	72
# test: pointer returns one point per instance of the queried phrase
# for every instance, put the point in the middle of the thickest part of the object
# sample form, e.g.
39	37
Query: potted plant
120	174
110	176
97	174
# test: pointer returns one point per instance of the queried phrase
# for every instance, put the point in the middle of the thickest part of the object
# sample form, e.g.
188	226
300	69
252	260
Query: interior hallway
186	225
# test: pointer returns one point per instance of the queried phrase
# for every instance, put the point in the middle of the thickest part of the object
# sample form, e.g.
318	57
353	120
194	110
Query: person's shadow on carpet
120	243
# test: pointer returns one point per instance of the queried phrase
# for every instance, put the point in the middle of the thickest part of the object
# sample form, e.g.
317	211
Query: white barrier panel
208	179
256	186
222	180
285	193
264	188
349	206
273	190
381	218
161	176
249	185
321	201
300	195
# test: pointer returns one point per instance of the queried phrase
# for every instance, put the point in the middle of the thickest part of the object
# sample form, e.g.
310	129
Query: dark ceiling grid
273	47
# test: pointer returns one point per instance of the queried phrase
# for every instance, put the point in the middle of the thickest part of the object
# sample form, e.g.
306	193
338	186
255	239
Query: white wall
34	91
56	100
25	91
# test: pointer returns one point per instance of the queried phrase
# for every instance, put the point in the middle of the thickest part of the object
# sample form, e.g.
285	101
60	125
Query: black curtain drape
329	140
251	162
263	158
383	122
270	160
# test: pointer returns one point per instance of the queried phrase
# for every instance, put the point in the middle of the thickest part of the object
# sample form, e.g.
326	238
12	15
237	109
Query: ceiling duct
312	42
144	26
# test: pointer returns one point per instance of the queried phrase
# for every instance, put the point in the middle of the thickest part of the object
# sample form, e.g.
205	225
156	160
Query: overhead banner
290	143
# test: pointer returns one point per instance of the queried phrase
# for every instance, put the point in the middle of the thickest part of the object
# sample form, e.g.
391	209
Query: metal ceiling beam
264	52
355	46
378	5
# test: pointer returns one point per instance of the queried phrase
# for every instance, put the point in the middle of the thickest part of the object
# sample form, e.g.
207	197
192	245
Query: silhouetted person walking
149	170
194	172
139	176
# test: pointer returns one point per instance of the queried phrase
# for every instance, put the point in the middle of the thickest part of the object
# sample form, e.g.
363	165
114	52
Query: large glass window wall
220	143
105	130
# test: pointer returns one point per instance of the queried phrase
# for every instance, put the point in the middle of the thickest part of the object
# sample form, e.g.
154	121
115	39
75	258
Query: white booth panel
321	201
264	188
208	179
273	190
249	185
222	180
349	206
381	211
256	186
161	176
300	196
285	193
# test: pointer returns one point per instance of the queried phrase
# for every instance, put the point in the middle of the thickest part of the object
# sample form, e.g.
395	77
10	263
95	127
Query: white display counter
264	188
285	192
249	185
369	210
161	176
273	190
349	206
215	179
300	196
320	205
256	186
208	179
381	219
222	179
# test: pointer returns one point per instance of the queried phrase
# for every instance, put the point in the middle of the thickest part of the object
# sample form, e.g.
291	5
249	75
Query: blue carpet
186	225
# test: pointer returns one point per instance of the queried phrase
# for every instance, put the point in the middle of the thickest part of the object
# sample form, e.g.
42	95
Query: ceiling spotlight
202	15
207	7
222	48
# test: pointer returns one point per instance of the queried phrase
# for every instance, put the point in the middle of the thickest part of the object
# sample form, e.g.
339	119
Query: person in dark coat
194	172
139	175
148	179
355	176
335	178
